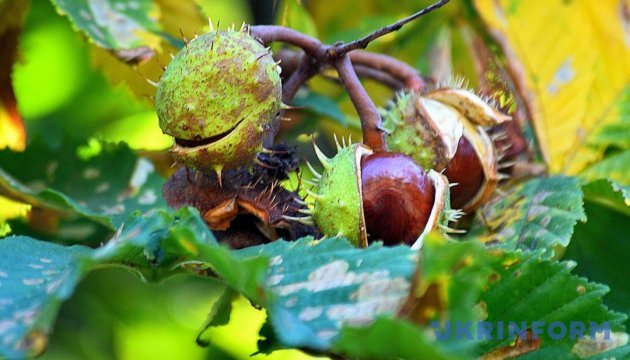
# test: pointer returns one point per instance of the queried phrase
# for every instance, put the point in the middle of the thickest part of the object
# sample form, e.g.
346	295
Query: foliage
90	178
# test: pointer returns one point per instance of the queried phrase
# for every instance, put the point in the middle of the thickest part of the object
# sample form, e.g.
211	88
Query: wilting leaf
180	20
576	67
12	132
35	277
449	280
105	187
538	214
129	29
530	288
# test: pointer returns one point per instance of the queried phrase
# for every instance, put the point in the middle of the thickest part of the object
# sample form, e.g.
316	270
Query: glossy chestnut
398	197
465	170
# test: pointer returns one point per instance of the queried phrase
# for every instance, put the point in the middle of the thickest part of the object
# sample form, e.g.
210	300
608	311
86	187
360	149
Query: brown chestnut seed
466	171
398	197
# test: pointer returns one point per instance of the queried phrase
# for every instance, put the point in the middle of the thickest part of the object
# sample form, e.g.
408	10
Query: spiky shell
338	205
425	129
217	97
428	128
338	198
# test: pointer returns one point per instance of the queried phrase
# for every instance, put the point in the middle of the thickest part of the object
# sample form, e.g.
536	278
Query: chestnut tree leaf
390	339
601	248
295	16
35	278
321	105
614	167
129	29
608	193
537	214
575	75
532	288
316	287
105	186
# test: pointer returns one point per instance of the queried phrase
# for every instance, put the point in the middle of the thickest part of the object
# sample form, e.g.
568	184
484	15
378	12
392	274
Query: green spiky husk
406	135
337	208
222	84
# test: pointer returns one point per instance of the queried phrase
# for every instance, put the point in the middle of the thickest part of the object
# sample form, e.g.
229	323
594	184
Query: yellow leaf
576	61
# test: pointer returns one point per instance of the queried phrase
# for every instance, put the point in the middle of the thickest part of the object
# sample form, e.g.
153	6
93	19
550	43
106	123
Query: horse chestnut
217	98
397	197
366	196
442	130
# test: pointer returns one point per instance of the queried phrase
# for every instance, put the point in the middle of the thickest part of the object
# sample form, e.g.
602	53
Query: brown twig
362	43
373	135
402	71
383	77
317	56
272	33
307	68
290	60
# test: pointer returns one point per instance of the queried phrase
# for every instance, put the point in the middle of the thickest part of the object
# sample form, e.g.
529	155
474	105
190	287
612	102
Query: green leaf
447	287
601	249
295	16
538	214
35	277
219	315
535	289
390	339
316	287
160	242
608	193
613	167
128	28
104	182
322	105
622	352
615	134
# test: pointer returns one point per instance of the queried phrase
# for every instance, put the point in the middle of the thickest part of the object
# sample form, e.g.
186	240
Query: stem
373	136
271	33
379	76
393	73
308	68
365	41
402	71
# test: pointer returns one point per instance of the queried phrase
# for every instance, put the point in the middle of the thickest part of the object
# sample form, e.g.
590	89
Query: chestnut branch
317	56
373	135
366	40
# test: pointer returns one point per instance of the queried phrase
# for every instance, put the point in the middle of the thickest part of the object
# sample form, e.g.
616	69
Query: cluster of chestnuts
222	93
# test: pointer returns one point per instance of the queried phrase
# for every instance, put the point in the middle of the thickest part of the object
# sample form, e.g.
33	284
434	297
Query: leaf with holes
129	29
538	214
35	277
105	185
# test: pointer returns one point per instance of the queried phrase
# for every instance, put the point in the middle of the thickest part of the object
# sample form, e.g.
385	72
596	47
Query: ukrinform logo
500	330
